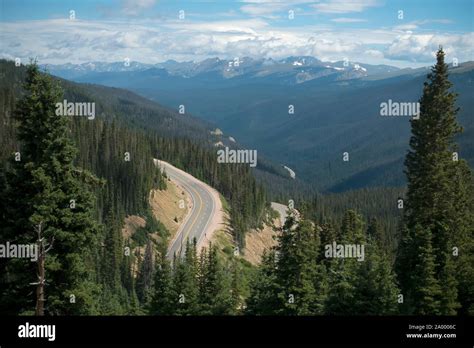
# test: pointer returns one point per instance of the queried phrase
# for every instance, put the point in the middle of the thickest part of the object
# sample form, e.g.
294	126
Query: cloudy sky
395	32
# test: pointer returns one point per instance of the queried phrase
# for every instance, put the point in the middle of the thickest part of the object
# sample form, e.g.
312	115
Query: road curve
197	224
282	211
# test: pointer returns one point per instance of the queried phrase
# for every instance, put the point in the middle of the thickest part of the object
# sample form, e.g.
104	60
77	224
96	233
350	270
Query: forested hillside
298	277
114	160
380	203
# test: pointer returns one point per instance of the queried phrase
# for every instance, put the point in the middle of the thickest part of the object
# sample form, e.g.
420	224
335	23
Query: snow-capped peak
358	67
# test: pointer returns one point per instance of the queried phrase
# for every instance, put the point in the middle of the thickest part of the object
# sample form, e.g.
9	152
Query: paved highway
198	220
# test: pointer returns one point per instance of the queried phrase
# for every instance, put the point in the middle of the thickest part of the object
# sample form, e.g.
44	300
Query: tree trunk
40	286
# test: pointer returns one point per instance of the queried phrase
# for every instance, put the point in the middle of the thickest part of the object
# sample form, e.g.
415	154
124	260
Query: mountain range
291	70
336	109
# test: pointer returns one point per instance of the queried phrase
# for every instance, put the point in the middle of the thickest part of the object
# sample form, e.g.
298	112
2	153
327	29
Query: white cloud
135	7
422	47
374	53
266	8
259	10
407	26
344	6
416	24
247	26
59	41
348	20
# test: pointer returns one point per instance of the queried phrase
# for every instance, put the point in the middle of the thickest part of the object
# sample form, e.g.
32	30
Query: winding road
198	222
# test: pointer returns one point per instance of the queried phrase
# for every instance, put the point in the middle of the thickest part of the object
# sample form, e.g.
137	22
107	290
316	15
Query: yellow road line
194	222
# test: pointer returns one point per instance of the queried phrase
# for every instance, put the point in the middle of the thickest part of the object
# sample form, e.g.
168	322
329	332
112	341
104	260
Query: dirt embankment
257	241
131	224
170	206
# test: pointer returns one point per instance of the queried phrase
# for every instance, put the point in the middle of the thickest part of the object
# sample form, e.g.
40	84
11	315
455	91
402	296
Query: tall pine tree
438	207
44	187
163	301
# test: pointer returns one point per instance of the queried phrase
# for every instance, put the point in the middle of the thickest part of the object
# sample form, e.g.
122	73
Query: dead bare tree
43	249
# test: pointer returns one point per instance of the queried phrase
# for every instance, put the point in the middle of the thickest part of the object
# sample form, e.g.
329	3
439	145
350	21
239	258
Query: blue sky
151	31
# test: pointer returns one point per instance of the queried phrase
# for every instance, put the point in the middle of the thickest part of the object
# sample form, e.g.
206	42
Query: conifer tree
342	285
134	307
126	270
374	233
214	292
263	299
45	187
299	275
438	205
163	300
112	252
328	236
376	290
352	230
426	291
343	272
185	282
236	288
145	275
